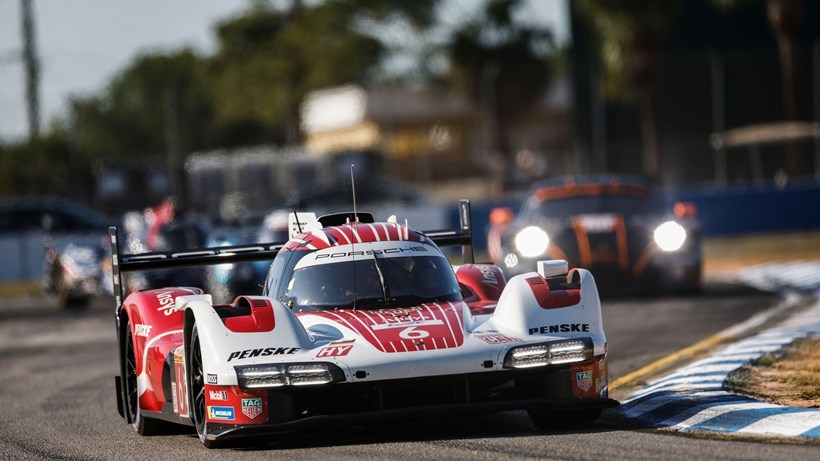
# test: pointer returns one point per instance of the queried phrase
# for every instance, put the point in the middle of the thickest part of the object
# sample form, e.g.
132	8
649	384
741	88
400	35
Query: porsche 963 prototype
358	322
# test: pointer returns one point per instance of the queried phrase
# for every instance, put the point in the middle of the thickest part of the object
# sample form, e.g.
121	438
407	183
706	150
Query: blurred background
220	115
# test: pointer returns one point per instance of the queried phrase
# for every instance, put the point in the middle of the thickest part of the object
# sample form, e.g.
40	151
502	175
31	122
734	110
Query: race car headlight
511	260
288	374
670	236
532	241
552	353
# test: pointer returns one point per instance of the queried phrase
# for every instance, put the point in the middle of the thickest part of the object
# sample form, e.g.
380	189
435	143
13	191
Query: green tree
268	59
165	105
158	106
502	65
630	34
45	165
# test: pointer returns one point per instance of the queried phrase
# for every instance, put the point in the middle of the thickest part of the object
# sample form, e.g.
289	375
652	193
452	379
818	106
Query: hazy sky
83	43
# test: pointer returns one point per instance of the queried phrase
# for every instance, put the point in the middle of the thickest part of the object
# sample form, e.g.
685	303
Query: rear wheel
196	384
142	424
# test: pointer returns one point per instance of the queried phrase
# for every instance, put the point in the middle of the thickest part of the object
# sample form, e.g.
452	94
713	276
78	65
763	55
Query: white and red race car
359	322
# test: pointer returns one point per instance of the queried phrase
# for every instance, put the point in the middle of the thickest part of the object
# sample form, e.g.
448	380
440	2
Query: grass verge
789	376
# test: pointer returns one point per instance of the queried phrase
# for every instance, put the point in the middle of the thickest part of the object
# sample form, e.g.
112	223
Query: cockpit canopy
364	276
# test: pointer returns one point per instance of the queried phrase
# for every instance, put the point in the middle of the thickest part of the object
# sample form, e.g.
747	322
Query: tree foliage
131	120
501	64
46	165
269	59
248	92
630	33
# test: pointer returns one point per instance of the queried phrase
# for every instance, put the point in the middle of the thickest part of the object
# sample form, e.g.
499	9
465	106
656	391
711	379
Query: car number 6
412	333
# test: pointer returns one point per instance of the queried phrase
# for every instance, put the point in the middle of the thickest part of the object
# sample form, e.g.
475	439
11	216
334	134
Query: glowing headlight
288	374
553	353
532	241
670	236
528	356
511	260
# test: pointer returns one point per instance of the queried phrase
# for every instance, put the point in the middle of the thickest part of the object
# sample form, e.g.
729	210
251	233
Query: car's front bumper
226	432
555	388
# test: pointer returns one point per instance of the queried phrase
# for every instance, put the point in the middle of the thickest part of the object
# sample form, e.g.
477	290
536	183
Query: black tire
142	424
196	390
553	420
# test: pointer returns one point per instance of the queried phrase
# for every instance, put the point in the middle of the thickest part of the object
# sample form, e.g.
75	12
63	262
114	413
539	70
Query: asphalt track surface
57	397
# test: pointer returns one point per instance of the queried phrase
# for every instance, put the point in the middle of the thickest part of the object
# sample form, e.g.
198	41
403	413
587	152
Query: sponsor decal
174	397
488	276
401	311
336	349
212	379
252	407
561	328
178	356
180	390
588	380
262	352
496	338
218	395
583	379
398	323
142	330
597	223
221	413
345	254
166	302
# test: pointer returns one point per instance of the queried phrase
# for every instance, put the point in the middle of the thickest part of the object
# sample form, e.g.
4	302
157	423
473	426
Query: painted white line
708	412
656	402
790	424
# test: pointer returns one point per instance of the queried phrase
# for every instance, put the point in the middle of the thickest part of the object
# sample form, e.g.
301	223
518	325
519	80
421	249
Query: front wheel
196	385
142	424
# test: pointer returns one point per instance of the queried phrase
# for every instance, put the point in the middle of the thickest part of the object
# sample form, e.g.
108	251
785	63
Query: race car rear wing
121	263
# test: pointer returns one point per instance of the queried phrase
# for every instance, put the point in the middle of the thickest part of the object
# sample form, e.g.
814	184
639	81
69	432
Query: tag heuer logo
212	379
251	407
583	379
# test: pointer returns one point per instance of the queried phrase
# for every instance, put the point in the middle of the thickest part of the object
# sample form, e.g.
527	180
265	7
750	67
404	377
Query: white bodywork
518	320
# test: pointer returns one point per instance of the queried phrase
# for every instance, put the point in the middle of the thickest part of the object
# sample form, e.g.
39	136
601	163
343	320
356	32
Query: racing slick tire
142	424
196	386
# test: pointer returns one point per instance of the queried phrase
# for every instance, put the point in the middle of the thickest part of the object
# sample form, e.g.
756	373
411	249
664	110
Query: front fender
221	347
520	313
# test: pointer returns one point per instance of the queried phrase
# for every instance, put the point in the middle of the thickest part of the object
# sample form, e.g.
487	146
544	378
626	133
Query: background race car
620	228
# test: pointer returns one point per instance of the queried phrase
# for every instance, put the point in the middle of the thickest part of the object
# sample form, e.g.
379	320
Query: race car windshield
623	204
372	284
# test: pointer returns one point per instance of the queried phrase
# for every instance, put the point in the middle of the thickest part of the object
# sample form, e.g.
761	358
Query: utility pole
32	67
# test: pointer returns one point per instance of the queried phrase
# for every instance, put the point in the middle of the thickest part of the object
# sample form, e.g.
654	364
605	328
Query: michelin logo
221	413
